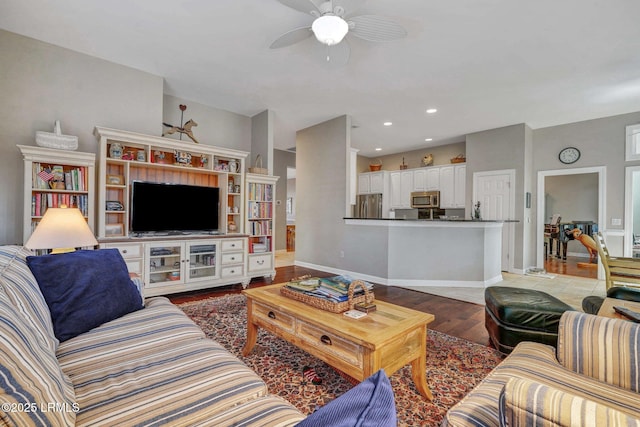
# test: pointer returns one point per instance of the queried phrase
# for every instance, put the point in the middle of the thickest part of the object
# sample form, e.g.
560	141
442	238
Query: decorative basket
373	167
334	307
258	167
459	159
56	139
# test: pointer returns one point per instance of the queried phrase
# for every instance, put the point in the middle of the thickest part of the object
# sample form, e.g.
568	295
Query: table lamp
61	230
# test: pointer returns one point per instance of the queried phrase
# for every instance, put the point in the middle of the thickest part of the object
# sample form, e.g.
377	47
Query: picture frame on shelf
115	180
114	205
114	230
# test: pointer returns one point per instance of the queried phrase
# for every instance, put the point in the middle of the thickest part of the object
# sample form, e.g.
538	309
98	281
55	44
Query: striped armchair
592	378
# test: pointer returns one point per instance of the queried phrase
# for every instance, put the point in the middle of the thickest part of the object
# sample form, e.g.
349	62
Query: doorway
567	183
287	257
632	212
495	190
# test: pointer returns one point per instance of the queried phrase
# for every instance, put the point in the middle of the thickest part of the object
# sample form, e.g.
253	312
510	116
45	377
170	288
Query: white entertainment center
172	263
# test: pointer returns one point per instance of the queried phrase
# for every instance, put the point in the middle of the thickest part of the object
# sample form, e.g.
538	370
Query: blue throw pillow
369	404
84	289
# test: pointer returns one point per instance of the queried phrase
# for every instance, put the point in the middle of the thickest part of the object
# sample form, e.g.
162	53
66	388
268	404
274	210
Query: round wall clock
569	155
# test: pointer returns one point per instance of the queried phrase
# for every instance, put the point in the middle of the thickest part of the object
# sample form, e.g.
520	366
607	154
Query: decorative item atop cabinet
56	139
460	158
403	166
257	167
374	167
163	160
53	178
261	192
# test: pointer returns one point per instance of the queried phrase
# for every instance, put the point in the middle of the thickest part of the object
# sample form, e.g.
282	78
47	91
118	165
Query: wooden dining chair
618	271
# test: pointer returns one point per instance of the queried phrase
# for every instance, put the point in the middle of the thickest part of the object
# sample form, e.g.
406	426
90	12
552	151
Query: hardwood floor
460	319
572	266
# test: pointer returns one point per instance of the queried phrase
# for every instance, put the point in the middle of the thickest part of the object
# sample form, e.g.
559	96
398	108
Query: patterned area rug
454	366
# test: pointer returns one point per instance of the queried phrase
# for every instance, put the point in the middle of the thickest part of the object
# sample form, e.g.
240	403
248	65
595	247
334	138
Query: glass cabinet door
203	261
165	264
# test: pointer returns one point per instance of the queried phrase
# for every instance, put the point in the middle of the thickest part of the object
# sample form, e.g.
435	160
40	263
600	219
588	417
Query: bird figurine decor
427	160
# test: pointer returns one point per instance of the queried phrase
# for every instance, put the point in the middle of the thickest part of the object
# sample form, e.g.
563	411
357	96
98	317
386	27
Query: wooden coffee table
606	309
388	338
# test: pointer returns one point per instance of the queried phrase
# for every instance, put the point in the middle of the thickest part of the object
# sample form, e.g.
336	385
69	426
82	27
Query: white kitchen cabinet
394	184
377	182
372	182
460	178
452	186
419	179
432	181
426	179
447	183
401	188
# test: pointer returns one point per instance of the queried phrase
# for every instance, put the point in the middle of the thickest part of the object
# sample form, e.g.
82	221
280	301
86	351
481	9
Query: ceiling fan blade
375	28
292	37
349	6
304	6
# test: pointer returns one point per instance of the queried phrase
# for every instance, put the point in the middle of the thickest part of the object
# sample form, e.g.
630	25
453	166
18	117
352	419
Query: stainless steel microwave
425	199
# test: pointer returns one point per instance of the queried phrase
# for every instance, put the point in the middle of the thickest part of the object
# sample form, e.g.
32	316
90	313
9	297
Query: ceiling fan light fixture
330	29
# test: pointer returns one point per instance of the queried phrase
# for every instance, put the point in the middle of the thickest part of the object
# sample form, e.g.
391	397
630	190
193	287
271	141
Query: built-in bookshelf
125	157
56	178
172	263
261	190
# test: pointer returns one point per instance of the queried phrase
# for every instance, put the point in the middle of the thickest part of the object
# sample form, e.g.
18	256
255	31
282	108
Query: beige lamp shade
61	228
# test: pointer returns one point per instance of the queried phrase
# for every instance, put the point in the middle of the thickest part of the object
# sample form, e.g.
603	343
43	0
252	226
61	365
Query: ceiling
483	64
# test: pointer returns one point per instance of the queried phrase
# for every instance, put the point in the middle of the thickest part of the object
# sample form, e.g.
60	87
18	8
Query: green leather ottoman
513	315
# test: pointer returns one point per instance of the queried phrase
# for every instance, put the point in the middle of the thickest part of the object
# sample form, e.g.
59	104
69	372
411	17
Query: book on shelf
263	192
258	247
40	202
73	179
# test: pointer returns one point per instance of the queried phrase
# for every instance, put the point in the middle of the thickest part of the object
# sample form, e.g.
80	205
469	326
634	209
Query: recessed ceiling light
387	123
432	110
428	139
378	149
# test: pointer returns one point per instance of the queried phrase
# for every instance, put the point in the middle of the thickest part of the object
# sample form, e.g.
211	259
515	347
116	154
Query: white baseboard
405	283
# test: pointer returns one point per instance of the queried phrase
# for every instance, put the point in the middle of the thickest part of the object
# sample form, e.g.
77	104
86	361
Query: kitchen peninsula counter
425	252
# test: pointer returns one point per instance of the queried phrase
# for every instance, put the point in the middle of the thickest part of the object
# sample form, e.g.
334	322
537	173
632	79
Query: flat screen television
174	208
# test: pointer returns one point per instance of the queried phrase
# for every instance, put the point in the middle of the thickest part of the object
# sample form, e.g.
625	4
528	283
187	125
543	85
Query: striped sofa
592	378
150	367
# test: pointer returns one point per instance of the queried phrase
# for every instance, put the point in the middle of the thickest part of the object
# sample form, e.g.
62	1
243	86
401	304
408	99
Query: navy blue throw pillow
369	404
84	289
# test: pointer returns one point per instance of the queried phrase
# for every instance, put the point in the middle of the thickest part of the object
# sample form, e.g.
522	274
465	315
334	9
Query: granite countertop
434	220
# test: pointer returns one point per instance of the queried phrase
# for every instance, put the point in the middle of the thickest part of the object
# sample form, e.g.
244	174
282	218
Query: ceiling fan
333	21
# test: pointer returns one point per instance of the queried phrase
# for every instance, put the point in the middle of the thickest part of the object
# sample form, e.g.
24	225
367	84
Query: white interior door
495	192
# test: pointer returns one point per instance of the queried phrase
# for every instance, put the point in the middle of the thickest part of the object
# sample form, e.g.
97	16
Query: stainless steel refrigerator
369	206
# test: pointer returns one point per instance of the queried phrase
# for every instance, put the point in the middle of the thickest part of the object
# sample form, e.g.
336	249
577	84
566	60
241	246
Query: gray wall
281	161
42	83
322	159
574	197
262	140
500	149
601	143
